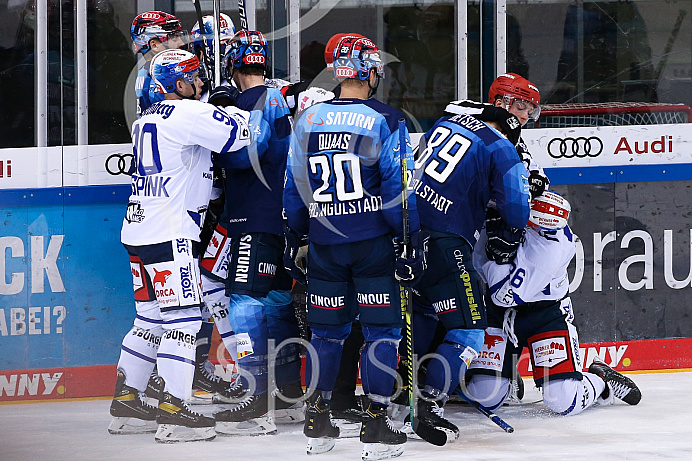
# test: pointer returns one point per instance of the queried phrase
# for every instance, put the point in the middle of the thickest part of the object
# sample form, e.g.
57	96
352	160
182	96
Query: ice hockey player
153	32
528	305
465	162
303	94
171	185
257	304
514	94
343	193
202	44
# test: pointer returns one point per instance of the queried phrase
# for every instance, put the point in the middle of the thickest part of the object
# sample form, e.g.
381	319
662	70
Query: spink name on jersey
150	186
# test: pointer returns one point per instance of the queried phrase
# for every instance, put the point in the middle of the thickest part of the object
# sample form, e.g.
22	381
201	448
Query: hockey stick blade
431	434
487	412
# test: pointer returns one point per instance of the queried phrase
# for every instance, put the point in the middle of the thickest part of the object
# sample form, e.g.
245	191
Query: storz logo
186	281
120	164
575	147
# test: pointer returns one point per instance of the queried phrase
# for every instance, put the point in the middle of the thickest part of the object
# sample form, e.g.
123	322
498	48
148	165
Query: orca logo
575	147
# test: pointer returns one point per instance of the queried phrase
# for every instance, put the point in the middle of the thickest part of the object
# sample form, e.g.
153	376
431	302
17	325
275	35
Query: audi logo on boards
120	164
575	147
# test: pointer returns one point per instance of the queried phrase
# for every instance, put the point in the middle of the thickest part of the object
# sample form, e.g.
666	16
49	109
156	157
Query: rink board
99	381
65	285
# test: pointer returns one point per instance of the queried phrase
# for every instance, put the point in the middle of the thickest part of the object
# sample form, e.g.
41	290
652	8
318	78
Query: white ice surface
660	427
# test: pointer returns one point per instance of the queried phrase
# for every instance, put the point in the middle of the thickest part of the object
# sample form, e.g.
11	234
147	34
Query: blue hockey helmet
248	48
154	24
205	38
355	57
171	65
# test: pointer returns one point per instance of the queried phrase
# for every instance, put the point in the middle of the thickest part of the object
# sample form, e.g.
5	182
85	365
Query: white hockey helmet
549	211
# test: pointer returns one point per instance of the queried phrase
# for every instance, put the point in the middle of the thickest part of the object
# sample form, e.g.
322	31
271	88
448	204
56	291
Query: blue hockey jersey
466	163
343	182
255	174
144	89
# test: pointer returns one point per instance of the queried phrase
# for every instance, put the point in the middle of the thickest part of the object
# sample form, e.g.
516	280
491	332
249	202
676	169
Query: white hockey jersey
538	272
171	185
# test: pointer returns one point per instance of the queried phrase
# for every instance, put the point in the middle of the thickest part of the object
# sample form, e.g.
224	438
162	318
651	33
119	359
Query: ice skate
249	417
319	428
431	416
154	386
131	413
349	420
621	386
380	440
230	392
516	391
287	412
206	384
177	423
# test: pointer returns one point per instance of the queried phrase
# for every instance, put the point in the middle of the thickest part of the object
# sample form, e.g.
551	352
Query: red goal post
612	114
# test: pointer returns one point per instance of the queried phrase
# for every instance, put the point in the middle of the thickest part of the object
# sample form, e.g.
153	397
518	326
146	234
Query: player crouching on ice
528	305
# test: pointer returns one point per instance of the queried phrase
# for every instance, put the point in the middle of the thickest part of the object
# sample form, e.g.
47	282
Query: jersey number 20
347	181
452	148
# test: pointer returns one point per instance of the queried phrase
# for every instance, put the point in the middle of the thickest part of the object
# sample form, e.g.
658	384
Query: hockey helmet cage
354	58
205	38
513	86
171	65
247	48
549	211
331	44
154	24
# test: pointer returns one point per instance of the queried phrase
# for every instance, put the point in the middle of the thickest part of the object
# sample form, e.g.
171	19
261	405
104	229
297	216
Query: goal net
612	114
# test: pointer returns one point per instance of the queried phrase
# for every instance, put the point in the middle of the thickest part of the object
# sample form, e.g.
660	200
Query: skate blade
408	430
373	451
293	414
317	446
256	426
124	426
170	433
347	429
201	398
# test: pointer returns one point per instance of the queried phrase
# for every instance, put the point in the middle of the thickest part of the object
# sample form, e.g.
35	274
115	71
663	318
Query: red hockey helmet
331	44
549	211
513	86
154	24
355	57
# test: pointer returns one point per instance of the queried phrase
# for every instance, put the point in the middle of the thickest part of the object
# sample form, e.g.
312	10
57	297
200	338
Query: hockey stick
426	432
242	11
205	58
485	411
217	42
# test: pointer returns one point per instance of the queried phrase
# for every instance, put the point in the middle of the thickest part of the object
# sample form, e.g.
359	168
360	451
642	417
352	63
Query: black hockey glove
538	183
509	124
223	96
503	240
295	254
409	269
